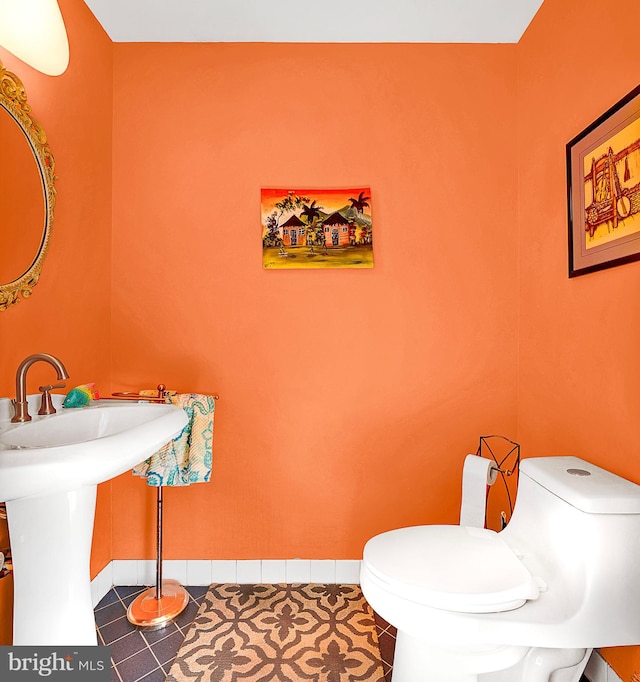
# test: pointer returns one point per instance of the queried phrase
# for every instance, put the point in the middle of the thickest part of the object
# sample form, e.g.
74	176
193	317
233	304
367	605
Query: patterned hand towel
188	457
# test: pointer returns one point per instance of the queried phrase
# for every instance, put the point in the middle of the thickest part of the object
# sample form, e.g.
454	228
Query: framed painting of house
316	228
603	186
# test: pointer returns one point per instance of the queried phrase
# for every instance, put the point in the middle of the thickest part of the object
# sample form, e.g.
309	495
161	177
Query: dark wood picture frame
603	189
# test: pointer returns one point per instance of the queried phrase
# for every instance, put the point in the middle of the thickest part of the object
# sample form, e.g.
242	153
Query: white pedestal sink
49	471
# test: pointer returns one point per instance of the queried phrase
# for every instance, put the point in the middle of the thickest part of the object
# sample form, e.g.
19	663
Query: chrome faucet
21	408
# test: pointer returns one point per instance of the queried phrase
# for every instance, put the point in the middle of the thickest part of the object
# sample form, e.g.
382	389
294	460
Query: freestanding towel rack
157	606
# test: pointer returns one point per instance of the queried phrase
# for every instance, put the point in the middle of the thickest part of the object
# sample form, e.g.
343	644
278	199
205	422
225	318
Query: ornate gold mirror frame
13	99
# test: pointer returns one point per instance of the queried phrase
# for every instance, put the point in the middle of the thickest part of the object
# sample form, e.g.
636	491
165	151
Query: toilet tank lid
583	485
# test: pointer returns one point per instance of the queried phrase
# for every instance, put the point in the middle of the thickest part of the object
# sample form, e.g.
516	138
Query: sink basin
82	446
49	471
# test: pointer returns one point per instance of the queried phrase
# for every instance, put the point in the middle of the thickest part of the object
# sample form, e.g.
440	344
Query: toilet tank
571	505
577	527
582	485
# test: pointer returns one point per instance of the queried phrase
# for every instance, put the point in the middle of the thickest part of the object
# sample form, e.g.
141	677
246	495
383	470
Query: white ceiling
315	21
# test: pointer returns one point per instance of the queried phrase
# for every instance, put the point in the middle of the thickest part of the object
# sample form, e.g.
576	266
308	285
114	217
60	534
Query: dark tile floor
146	655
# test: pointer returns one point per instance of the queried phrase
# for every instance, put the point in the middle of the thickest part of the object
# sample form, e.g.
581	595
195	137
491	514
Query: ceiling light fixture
33	30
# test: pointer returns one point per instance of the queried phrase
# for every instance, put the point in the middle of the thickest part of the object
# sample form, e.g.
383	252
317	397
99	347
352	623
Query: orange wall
579	338
463	147
314	451
68	314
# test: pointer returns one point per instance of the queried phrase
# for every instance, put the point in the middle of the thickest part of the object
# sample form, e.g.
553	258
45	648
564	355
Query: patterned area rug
284	633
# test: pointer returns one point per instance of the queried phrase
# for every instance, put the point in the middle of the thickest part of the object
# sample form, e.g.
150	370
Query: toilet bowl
527	604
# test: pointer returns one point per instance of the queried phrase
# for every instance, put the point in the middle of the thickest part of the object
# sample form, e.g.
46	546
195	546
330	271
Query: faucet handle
46	404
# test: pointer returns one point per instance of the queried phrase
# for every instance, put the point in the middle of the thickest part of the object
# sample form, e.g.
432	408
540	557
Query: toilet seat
455	568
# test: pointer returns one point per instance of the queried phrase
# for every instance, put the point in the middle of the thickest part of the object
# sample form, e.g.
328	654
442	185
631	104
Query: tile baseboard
195	572
101	584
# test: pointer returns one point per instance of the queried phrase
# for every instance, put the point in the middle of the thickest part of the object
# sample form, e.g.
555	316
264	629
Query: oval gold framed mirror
27	193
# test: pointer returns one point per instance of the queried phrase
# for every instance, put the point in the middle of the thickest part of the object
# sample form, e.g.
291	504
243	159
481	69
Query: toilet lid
456	568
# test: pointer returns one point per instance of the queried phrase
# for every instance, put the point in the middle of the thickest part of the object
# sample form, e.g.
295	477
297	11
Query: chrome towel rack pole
157	606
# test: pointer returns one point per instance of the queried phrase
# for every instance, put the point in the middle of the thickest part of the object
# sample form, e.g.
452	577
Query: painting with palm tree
316	228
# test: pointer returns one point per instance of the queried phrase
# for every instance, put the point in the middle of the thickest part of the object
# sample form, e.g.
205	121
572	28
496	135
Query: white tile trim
204	572
175	570
298	571
323	571
198	572
224	571
348	572
101	584
273	571
146	572
125	572
249	571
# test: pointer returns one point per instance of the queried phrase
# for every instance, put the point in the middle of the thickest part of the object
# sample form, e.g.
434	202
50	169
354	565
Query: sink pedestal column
51	546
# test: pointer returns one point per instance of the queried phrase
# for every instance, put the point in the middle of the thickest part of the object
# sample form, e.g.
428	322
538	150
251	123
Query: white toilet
527	604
